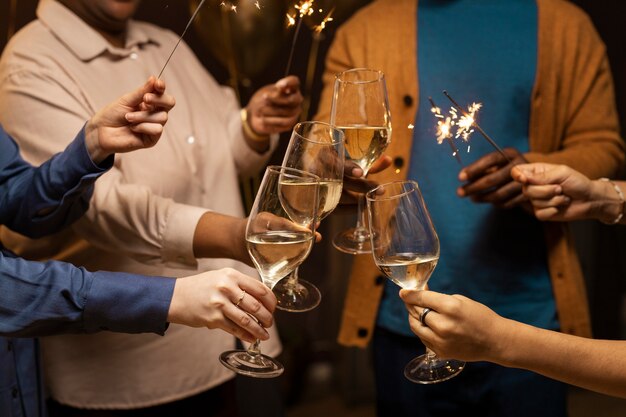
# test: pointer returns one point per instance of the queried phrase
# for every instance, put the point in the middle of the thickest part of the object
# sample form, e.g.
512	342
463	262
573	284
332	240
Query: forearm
221	236
598	365
39	299
42	200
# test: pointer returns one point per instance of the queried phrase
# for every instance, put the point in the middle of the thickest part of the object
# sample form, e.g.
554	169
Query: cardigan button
362	332
9	346
15	392
379	280
408	100
398	162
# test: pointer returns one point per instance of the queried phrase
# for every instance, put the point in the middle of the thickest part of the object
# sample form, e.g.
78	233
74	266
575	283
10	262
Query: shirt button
133	55
15	392
9	346
191	139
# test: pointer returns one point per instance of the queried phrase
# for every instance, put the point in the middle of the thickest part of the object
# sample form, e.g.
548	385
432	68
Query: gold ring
243	294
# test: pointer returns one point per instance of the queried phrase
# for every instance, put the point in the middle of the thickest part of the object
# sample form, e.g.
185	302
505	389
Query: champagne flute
279	236
314	147
360	108
405	247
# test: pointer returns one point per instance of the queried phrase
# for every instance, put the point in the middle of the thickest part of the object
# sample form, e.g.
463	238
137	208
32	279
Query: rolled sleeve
177	243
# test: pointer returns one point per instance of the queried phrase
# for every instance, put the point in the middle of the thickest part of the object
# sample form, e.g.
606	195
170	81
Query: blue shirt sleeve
39	299
43	200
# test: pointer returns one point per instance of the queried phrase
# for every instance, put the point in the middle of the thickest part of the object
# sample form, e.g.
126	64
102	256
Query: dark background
310	338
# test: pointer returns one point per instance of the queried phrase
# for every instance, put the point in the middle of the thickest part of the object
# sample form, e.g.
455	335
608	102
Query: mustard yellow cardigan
573	121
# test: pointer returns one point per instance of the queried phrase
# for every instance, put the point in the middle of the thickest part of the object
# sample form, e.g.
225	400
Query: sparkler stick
447	135
293	46
193	16
476	126
305	8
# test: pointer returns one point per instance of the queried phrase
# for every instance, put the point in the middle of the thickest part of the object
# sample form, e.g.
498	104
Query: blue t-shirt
483	51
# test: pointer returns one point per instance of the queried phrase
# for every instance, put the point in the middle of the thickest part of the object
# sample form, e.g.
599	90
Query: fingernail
129	117
460	192
462	176
357	172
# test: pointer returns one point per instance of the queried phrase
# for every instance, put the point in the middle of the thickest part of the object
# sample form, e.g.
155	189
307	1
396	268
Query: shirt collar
84	41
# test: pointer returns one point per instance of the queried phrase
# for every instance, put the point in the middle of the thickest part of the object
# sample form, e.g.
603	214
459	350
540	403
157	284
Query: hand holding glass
279	236
315	147
405	247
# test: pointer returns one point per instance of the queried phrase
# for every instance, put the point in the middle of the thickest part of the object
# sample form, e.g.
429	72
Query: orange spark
291	20
305	8
319	28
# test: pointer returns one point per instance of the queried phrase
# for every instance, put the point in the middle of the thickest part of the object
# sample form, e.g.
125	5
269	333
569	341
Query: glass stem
292	280
360	232
430	356
253	349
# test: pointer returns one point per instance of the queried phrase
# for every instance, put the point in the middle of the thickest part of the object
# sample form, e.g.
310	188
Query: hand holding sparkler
488	180
275	108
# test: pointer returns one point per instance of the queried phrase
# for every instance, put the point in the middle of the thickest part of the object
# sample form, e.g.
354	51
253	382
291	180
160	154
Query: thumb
134	98
539	173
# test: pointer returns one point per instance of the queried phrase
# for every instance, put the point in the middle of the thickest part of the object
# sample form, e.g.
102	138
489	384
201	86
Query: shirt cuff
177	247
78	162
128	303
255	160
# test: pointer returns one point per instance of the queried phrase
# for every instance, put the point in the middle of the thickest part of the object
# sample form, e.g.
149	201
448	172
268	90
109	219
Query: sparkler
467	121
304	8
320	28
444	130
193	16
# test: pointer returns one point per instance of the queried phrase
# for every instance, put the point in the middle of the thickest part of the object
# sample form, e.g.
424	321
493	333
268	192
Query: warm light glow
466	122
305	8
319	28
258	5
291	20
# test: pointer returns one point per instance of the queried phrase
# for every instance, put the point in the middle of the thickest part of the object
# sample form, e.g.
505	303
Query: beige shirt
54	75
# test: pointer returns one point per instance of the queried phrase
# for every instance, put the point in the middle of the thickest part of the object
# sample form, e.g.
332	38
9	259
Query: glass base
250	364
427	369
353	241
296	296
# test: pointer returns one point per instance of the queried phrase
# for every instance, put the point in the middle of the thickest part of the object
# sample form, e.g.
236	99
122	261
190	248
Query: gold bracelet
620	194
247	129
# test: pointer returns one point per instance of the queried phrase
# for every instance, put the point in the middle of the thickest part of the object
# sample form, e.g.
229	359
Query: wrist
611	201
248	131
92	143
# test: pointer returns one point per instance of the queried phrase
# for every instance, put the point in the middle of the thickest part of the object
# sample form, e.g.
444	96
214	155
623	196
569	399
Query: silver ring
423	316
243	294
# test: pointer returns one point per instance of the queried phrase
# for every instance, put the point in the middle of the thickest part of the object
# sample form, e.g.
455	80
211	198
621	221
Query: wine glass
405	247
314	147
360	109
279	236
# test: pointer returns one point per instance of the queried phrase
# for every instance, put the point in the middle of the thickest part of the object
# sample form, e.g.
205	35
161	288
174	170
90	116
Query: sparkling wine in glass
279	236
405	247
360	109
318	148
